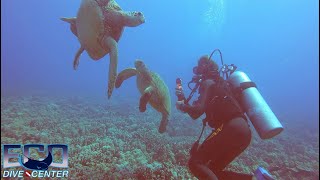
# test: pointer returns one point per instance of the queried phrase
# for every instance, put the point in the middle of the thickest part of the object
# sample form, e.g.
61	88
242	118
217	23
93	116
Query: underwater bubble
214	16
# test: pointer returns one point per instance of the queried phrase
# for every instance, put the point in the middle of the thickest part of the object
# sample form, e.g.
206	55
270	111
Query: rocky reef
113	140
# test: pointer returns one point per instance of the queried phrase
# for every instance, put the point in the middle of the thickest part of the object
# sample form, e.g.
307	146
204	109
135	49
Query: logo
15	155
38	165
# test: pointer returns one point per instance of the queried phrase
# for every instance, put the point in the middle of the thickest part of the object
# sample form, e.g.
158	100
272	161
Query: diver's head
206	67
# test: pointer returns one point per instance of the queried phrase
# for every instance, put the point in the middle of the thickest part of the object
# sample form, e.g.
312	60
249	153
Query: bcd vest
222	105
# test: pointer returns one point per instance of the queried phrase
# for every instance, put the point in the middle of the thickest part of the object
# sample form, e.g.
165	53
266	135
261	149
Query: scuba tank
251	101
260	114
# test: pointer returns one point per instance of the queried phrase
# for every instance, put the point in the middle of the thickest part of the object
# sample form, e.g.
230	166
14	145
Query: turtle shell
92	26
160	99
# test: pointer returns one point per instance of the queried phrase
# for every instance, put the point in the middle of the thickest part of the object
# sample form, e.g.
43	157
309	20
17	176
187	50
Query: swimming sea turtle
99	25
152	88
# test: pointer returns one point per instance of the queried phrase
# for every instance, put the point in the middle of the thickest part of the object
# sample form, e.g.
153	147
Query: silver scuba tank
263	119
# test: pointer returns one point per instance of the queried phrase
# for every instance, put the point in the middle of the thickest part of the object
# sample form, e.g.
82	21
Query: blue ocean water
275	42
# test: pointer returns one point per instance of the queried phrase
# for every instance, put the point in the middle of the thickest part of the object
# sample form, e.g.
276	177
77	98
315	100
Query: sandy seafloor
113	140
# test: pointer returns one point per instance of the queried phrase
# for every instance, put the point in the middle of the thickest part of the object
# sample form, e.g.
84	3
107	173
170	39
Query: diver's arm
195	111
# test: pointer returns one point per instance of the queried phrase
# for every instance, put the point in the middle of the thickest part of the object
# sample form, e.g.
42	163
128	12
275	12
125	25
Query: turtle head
134	19
139	65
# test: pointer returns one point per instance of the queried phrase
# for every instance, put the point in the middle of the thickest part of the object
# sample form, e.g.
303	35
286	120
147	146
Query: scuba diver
231	134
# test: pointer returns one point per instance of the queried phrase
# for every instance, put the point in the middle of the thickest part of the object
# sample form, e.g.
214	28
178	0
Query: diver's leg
233	139
199	170
234	175
201	156
220	150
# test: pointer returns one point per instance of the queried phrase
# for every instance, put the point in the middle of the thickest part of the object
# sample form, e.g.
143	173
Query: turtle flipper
163	123
77	58
72	22
145	98
69	19
110	44
125	74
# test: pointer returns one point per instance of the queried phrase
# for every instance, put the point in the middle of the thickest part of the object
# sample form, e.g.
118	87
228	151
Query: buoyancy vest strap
215	132
204	123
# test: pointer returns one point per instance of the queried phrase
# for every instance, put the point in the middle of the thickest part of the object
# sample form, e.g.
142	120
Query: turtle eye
137	14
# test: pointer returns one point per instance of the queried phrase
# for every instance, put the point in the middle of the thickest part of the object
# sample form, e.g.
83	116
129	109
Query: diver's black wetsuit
217	151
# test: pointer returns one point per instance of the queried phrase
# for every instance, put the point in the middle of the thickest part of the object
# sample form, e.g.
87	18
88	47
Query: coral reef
113	140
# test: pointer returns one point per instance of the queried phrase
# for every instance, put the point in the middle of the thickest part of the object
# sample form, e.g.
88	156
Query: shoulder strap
227	90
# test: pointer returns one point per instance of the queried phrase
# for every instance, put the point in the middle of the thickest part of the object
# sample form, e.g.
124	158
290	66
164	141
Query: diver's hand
179	105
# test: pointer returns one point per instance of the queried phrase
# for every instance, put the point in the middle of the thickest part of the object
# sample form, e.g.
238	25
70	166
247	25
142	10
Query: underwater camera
179	88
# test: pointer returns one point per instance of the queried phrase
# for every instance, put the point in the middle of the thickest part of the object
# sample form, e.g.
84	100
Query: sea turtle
99	25
152	88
